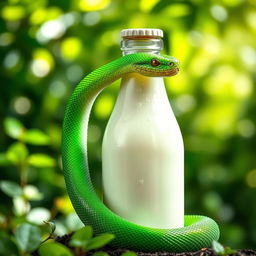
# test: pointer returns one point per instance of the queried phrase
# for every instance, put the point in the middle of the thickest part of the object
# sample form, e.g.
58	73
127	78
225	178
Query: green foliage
28	237
41	160
99	241
129	253
52	226
219	249
35	137
83	239
32	193
46	47
16	130
17	153
10	188
100	254
73	222
54	249
13	128
7	246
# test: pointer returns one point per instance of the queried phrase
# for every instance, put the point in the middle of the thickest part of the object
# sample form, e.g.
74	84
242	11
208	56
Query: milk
143	156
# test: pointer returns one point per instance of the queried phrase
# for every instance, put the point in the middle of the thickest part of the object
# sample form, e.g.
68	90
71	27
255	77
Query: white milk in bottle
142	151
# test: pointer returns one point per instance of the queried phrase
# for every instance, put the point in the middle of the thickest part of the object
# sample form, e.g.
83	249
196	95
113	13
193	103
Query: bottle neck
138	88
142	94
149	45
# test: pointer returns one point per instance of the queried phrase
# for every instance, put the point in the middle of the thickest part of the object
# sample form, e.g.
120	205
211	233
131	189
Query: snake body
198	232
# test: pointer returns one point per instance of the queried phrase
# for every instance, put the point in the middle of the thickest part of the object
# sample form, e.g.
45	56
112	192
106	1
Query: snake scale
198	231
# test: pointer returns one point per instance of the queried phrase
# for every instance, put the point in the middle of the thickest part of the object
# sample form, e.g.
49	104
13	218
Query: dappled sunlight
218	118
251	178
13	13
11	59
93	5
42	15
22	105
42	62
147	5
71	43
47	48
226	82
104	106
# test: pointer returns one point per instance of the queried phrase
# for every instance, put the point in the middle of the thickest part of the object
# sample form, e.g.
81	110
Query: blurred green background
46	47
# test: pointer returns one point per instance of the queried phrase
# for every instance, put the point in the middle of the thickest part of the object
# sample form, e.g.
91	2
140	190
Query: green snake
198	231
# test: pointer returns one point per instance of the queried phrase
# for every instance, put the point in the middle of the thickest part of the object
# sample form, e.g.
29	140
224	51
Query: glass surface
142	151
129	46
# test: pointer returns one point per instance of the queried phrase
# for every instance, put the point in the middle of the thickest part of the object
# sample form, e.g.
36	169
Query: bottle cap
142	33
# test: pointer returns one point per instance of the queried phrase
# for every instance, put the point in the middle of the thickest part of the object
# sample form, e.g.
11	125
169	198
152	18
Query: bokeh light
47	47
22	105
251	178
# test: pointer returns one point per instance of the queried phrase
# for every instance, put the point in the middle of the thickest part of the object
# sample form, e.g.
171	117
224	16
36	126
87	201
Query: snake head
155	65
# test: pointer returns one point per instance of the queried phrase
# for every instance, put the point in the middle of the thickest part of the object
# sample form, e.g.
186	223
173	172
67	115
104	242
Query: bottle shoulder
142	97
142	113
143	132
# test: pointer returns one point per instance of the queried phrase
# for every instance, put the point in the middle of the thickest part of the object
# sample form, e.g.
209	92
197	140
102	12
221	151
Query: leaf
31	193
13	127
17	153
129	253
218	248
52	226
28	237
73	222
38	215
100	254
81	237
79	243
228	250
7	247
10	188
84	233
54	249
99	241
41	160
36	137
20	206
61	228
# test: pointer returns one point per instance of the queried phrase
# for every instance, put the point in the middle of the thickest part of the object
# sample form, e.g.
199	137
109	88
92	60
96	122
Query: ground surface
203	252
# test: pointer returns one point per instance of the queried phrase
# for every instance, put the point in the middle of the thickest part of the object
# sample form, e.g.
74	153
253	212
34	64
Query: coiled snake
198	232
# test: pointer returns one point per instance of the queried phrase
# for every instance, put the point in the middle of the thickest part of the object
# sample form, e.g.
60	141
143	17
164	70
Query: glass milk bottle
142	151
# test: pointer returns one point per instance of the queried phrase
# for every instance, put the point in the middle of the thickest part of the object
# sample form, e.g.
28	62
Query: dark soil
116	252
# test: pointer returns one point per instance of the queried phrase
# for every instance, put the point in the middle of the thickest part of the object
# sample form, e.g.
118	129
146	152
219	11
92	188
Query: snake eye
171	64
155	62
